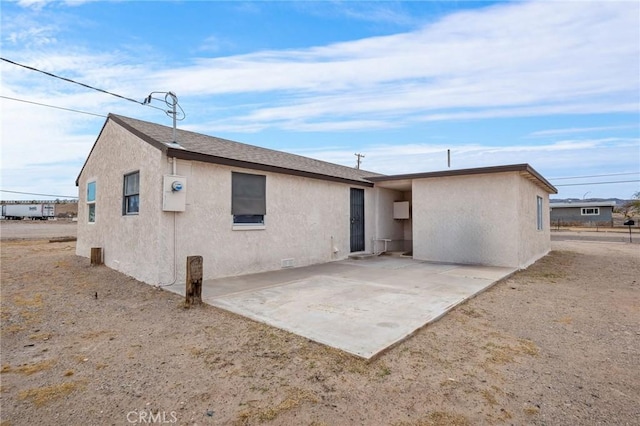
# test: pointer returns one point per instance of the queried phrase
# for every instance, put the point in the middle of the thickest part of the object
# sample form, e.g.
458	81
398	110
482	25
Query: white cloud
551	159
541	57
509	60
40	4
555	132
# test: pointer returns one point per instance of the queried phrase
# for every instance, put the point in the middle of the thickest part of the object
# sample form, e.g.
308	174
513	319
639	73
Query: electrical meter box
174	193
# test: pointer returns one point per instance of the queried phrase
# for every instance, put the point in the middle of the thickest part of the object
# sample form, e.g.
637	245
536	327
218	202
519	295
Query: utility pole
360	157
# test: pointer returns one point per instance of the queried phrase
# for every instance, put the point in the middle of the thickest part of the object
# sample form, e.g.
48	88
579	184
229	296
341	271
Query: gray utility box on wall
174	193
401	210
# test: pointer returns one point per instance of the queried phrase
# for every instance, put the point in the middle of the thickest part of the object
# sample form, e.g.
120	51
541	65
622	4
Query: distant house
590	212
149	202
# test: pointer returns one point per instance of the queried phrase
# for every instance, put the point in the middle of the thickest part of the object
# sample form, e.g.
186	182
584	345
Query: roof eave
521	168
183	154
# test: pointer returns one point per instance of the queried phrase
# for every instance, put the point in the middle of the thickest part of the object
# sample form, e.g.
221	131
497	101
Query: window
590	211
248	200
131	200
539	211
91	201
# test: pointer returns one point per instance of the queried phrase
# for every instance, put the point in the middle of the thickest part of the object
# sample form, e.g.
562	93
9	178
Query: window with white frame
248	199
590	211
539	213
131	194
91	202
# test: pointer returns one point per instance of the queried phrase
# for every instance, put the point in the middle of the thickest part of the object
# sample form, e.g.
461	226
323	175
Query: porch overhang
403	182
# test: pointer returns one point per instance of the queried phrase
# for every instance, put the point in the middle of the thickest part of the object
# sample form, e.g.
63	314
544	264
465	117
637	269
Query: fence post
193	293
96	255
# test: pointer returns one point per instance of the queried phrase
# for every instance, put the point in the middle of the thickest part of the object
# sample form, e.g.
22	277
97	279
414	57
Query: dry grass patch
527	347
295	398
43	395
94	334
470	312
552	267
13	328
34	302
489	397
565	320
29	369
499	354
438	418
450	383
504	354
531	411
40	336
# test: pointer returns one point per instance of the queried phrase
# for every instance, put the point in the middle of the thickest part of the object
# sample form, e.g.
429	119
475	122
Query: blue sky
552	84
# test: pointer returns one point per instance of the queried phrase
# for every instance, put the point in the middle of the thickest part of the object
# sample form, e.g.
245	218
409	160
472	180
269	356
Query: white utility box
401	210
174	193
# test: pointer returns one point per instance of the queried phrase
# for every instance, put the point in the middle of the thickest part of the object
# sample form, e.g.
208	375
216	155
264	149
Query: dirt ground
37	229
557	344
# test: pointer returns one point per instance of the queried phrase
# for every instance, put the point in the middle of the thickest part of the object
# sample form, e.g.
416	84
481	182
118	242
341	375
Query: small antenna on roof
360	157
171	100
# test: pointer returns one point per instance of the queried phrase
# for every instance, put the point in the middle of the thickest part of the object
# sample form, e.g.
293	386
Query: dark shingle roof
199	147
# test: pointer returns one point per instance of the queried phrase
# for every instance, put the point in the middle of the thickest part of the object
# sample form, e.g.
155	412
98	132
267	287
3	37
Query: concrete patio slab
359	306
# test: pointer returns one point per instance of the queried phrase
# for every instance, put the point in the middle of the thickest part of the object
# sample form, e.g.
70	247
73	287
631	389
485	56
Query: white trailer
30	211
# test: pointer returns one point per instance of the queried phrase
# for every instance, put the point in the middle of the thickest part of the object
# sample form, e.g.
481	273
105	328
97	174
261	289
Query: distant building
581	213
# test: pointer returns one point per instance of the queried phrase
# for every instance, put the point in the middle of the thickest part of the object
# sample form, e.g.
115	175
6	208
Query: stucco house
585	212
149	202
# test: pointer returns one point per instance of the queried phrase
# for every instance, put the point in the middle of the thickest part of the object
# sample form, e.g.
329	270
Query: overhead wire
35	193
591	176
70	80
597	183
52	106
88	86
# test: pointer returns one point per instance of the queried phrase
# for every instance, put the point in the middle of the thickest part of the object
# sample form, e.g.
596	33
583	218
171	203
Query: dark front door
357	219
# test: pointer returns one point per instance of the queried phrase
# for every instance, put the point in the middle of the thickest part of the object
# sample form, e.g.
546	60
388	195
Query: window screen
91	202
248	194
131	201
539	212
91	191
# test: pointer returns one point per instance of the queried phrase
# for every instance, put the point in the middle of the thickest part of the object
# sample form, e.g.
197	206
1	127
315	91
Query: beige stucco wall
533	243
306	219
125	240
386	226
478	219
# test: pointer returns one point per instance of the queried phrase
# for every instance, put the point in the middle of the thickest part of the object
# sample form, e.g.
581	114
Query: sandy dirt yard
37	229
557	344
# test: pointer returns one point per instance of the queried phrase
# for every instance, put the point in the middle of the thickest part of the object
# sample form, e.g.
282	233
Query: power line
79	83
591	176
71	81
34	193
52	106
598	183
